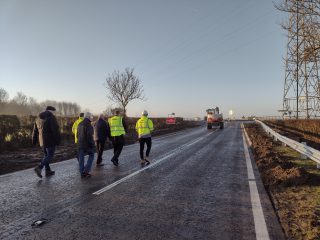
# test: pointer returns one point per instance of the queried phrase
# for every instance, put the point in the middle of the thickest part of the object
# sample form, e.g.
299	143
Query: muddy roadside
24	158
292	183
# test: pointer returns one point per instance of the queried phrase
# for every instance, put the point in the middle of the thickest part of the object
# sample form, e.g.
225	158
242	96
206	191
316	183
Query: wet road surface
196	187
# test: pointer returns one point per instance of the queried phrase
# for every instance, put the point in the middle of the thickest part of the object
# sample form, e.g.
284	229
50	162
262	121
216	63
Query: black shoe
142	162
115	162
49	173
100	164
38	171
85	175
147	161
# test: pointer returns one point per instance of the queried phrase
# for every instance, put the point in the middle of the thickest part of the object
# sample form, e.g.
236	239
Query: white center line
157	162
258	216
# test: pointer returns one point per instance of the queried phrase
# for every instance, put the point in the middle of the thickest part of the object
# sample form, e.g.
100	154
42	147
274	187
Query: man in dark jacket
85	145
101	131
46	131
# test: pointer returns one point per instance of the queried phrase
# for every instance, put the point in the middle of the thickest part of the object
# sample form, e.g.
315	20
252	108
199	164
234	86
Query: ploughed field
302	130
18	153
292	183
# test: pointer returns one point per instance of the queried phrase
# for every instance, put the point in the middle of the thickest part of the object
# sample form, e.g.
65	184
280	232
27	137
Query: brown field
302	130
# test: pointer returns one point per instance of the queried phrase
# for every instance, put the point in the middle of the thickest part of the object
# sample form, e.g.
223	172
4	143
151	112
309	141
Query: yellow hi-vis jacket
116	126
75	128
144	126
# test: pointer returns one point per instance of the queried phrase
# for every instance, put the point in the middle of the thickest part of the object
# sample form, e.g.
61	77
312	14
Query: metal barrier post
304	157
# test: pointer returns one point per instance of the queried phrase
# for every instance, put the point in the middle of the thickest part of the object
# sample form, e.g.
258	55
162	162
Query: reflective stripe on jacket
116	126
75	128
144	126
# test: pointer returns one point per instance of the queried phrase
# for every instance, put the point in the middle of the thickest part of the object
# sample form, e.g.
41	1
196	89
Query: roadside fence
307	151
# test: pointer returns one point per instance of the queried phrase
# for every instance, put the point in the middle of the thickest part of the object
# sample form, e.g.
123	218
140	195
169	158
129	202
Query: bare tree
124	87
4	96
23	105
21	99
34	106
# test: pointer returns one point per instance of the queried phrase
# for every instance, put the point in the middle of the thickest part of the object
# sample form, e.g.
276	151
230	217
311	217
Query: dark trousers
142	142
118	143
100	147
48	155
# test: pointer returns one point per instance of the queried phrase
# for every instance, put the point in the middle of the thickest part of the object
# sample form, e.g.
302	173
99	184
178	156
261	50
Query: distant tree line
21	104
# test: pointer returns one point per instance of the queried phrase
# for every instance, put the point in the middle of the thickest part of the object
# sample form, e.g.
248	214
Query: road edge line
260	225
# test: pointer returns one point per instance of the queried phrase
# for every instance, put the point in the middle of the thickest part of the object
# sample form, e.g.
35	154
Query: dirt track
293	185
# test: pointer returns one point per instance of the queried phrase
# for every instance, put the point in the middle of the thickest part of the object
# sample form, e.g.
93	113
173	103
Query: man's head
102	116
88	115
50	108
144	113
81	114
117	112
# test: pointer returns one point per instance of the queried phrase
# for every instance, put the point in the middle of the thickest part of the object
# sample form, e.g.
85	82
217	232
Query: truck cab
214	118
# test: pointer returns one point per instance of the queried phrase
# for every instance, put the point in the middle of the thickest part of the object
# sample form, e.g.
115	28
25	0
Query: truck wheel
221	125
209	126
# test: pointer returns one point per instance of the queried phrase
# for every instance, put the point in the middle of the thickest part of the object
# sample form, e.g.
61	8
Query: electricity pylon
301	88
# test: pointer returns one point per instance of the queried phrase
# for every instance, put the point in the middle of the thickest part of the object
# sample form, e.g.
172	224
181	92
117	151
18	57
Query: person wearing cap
85	145
101	132
46	131
144	127
75	126
118	129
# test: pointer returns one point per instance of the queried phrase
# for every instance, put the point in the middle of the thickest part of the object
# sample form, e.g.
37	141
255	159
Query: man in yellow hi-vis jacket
75	126
144	127
118	129
75	130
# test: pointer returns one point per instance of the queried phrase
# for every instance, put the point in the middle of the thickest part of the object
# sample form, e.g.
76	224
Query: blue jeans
87	167
48	155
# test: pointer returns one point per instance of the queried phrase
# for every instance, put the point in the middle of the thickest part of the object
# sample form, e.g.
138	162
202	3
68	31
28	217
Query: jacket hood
45	114
86	120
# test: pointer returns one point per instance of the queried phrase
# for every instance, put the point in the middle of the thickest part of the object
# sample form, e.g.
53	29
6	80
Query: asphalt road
196	187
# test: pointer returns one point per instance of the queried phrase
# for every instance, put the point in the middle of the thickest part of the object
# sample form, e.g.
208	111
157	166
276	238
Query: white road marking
248	162
157	162
168	135
258	216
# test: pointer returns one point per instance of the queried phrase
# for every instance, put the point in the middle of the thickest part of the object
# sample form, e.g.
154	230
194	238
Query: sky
190	55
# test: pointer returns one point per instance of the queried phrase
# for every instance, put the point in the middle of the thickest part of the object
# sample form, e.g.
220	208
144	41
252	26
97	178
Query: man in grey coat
101	132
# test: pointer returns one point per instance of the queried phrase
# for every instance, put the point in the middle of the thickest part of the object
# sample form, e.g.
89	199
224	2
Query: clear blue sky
189	54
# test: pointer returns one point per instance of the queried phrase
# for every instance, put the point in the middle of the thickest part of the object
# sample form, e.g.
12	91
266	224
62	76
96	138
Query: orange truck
214	118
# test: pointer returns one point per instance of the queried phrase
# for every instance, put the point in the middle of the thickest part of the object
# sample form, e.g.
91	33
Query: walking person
101	132
144	127
46	131
85	145
75	129
75	126
118	129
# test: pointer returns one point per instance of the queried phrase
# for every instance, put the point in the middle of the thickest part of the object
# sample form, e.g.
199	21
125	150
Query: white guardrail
310	152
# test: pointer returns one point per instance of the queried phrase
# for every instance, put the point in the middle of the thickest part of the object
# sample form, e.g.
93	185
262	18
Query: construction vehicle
214	118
